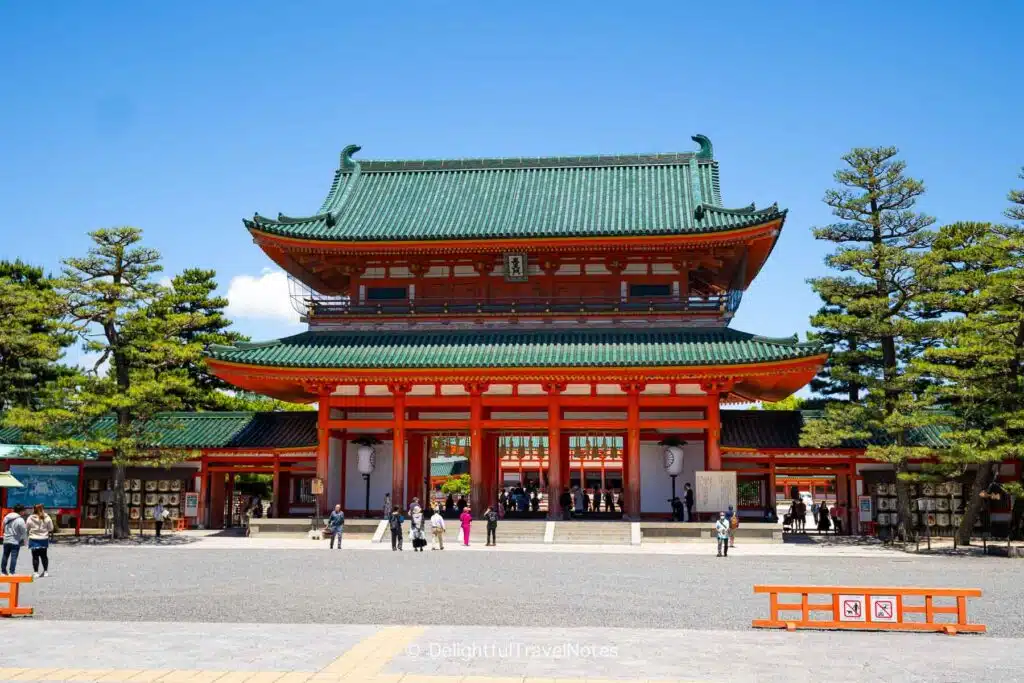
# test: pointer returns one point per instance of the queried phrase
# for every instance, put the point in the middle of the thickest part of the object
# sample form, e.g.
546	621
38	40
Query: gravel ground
370	587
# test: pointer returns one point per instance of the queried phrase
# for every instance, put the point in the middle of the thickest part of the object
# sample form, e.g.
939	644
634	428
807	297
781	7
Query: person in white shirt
40	526
437	529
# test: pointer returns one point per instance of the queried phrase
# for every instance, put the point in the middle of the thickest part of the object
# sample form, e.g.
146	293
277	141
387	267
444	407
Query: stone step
593	533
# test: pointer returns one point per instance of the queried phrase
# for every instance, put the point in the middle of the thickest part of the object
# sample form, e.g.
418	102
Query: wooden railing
871	608
314	306
10	606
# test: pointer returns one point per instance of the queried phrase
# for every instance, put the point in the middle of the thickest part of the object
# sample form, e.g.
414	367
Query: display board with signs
866	508
716	491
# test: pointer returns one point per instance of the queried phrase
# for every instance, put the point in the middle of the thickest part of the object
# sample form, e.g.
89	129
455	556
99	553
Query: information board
54	486
191	504
716	491
864	505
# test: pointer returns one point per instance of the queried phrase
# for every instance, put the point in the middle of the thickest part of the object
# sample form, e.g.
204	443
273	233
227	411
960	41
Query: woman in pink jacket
467	519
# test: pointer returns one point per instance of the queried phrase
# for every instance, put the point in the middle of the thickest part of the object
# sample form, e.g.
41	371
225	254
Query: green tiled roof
587	196
511	348
781	429
219	430
448	467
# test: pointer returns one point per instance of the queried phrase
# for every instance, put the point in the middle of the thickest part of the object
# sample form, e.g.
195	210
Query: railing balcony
315	306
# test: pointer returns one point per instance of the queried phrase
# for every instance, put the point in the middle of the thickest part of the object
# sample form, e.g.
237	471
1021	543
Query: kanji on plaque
883	608
851	608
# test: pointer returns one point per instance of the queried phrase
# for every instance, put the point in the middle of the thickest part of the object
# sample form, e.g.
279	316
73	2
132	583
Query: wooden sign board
716	491
317	488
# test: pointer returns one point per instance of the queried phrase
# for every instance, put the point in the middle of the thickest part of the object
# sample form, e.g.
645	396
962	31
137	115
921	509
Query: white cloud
262	297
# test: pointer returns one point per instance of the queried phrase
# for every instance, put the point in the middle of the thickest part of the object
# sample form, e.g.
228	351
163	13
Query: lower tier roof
517	348
741	429
300	367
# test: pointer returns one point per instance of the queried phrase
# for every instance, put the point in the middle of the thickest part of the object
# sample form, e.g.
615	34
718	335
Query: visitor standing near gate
336	525
722	530
40	526
492	525
734	524
609	501
437	530
14	531
466	518
395	520
688	501
418	531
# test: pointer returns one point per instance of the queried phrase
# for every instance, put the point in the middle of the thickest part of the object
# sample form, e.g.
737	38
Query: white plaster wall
656	485
380	480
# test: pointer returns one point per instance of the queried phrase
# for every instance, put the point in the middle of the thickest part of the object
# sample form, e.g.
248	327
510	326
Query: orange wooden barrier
12	608
874	608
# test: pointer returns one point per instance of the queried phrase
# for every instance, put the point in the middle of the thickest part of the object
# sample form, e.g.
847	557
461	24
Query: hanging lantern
367	455
673	456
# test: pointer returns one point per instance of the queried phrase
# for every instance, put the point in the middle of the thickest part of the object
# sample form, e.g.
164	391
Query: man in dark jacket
492	525
688	501
395	520
565	500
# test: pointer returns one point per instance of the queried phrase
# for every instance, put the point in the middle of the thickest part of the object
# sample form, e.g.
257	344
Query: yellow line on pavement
366	659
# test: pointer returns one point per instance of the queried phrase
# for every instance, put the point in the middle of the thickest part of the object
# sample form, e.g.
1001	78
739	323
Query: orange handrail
868	608
12	608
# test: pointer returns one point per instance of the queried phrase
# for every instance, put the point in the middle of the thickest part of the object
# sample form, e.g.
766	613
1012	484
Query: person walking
419	535
449	506
688	502
734	524
492	525
466	520
838	515
336	525
609	500
577	501
437	530
40	526
14	532
395	520
722	531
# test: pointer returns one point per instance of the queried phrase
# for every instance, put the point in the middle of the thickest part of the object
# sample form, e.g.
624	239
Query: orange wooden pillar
398	450
771	482
713	434
478	481
492	470
342	437
415	466
632	462
203	520
556	469
323	448
217	491
276	492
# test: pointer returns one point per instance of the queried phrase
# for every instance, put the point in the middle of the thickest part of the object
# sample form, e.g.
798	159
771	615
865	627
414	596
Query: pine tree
1016	197
191	294
840	377
874	299
32	338
978	289
139	371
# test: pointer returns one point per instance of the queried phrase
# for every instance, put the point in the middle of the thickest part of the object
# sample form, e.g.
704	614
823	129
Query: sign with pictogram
851	608
883	608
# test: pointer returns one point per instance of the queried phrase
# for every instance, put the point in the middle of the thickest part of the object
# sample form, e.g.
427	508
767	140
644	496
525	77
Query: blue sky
182	118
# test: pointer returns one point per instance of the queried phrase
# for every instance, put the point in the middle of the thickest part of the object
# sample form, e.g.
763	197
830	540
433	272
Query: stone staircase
509	531
593	533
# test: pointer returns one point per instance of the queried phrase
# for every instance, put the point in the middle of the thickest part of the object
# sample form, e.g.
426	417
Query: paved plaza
263	610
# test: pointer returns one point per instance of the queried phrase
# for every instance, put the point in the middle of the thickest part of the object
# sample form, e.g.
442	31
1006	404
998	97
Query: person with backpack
15	532
734	523
492	525
722	532
40	526
336	525
395	520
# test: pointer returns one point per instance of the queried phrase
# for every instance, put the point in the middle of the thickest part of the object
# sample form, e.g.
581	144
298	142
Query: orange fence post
12	608
868	608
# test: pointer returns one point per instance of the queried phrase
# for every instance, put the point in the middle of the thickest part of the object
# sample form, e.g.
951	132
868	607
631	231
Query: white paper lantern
367	459
673	460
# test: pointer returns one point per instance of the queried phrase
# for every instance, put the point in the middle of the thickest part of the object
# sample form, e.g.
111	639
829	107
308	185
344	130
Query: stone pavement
205	541
294	653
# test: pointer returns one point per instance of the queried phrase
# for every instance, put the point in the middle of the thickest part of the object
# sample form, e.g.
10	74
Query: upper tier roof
545	197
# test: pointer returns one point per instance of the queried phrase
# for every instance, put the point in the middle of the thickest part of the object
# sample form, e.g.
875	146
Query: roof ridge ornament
347	162
706	150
